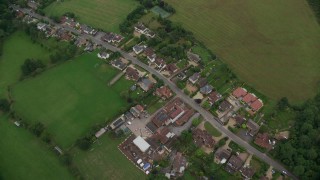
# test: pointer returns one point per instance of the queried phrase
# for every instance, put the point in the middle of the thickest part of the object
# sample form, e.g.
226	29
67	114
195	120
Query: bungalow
87	29
225	106
89	47
138	49
207	89
108	37
117	63
160	118
128	116
263	140
181	76
68	21
172	68
179	164
256	105
117	123
150	54
213	97
136	110
160	63
202	82
103	55
239	92
150	33
239	120
234	164
193	57
202	138
80	41
247	172
253	127
140	28
164	92
222	155
132	73
117	38
64	34
194	78
249	98
145	84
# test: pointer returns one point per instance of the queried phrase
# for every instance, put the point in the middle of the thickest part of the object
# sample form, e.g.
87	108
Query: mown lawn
212	130
272	45
104	14
71	98
23	156
17	48
105	161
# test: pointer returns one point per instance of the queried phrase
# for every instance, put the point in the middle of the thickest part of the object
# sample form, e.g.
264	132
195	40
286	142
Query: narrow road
207	116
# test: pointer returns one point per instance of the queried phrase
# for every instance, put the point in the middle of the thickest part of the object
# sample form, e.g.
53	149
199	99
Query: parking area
138	127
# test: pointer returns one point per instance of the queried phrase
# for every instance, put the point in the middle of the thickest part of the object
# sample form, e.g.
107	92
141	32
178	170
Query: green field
22	156
106	161
212	130
17	48
272	45
71	98
104	14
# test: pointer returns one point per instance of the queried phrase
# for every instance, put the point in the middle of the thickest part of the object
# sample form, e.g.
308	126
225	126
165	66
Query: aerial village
151	137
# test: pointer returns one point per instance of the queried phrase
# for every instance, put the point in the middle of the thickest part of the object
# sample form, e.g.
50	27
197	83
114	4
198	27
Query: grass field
104	14
272	45
22	156
212	130
106	161
17	48
71	98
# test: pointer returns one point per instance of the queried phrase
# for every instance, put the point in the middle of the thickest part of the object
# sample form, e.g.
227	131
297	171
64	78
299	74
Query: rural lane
208	116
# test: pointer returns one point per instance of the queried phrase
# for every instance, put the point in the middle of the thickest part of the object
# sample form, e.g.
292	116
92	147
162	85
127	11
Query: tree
37	129
31	66
4	105
84	144
283	103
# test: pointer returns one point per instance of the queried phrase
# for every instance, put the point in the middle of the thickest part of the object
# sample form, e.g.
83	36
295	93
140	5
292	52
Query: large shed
141	144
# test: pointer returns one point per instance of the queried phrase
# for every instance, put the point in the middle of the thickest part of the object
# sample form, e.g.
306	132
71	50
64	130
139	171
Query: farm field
17	48
273	46
71	98
106	161
24	157
103	14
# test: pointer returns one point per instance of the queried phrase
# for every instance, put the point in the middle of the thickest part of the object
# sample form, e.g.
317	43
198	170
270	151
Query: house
160	63
175	113
89	47
140	28
145	84
33	5
163	135
253	127
179	164
206	89
247	172
164	92
64	34
234	164
225	106
80	41
194	78
138	49
249	98
128	116
87	29
185	117
117	63
239	120
117	123
160	118
256	105
213	97
263	140
117	38
152	127
202	82
41	26
103	55
108	37
68	21
149	52
172	68
193	57
222	155
202	138
181	76
29	19
239	92
142	144
136	110
132	73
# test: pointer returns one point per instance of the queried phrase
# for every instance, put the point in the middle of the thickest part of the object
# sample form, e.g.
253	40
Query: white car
284	172
142	164
139	161
129	123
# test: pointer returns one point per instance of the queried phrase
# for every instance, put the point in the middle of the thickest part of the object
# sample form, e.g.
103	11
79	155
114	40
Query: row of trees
315	5
31	67
301	153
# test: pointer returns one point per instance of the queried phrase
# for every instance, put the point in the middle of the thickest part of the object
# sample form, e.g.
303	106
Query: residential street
207	116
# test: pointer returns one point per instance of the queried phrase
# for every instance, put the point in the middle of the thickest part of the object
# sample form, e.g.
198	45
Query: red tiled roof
239	92
214	97
263	140
139	108
176	112
185	117
256	105
148	51
249	98
164	91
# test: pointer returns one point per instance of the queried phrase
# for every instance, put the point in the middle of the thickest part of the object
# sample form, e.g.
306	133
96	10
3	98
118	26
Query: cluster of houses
142	29
144	82
251	100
